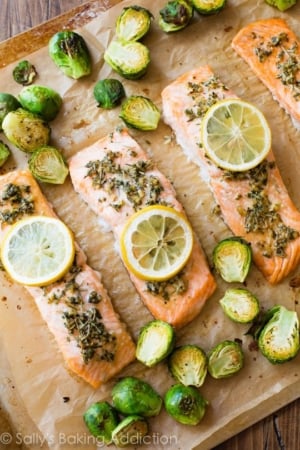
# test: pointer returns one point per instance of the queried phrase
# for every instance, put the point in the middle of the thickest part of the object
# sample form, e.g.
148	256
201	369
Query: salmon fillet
115	177
272	50
254	204
77	309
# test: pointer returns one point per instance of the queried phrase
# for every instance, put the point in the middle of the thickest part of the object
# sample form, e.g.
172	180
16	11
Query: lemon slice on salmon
156	242
235	135
38	250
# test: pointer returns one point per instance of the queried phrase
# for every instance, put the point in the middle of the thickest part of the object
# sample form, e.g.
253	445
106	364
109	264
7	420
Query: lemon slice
235	135
156	243
38	250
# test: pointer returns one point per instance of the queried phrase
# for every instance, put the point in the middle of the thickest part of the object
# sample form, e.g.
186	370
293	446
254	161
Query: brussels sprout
48	165
225	359
26	130
188	365
185	404
41	100
140	112
4	153
69	52
134	396
282	5
128	59
101	419
240	305
278	338
232	259
24	73
133	23
175	15
7	103
131	430
109	93
155	342
208	7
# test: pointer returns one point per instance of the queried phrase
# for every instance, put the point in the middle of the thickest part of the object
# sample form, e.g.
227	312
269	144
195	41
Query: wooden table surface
280	431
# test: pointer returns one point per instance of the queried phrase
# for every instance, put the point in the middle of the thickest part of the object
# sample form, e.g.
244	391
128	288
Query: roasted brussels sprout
24	73
109	93
133	23
131	430
7	103
155	342
101	419
26	130
188	365
240	305
175	15
232	259
208	7
41	100
225	359
282	5
48	165
69	52
128	59
4	153
140	112
278	337
132	396
185	404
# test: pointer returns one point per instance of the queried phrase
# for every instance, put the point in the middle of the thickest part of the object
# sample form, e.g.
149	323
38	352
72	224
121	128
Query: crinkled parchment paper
35	382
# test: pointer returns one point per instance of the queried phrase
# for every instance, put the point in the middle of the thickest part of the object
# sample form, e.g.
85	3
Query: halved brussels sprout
232	259
140	112
128	59
185	404
133	23
175	15
41	100
101	419
134	396
69	52
130	431
109	93
240	305
155	342
225	359
48	165
278	338
24	73
7	103
4	153
26	130
188	365
208	7
282	5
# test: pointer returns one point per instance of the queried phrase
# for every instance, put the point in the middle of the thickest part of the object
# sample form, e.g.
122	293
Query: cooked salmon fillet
77	309
272	50
254	204
115	177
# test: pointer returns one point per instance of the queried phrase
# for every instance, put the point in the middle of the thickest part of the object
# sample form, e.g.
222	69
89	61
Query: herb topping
174	286
204	94
84	323
263	216
15	202
139	187
287	59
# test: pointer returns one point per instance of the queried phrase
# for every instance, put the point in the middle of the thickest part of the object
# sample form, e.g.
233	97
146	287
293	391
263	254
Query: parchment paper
34	380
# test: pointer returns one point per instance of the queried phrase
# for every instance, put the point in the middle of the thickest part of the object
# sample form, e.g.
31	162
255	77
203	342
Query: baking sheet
34	376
